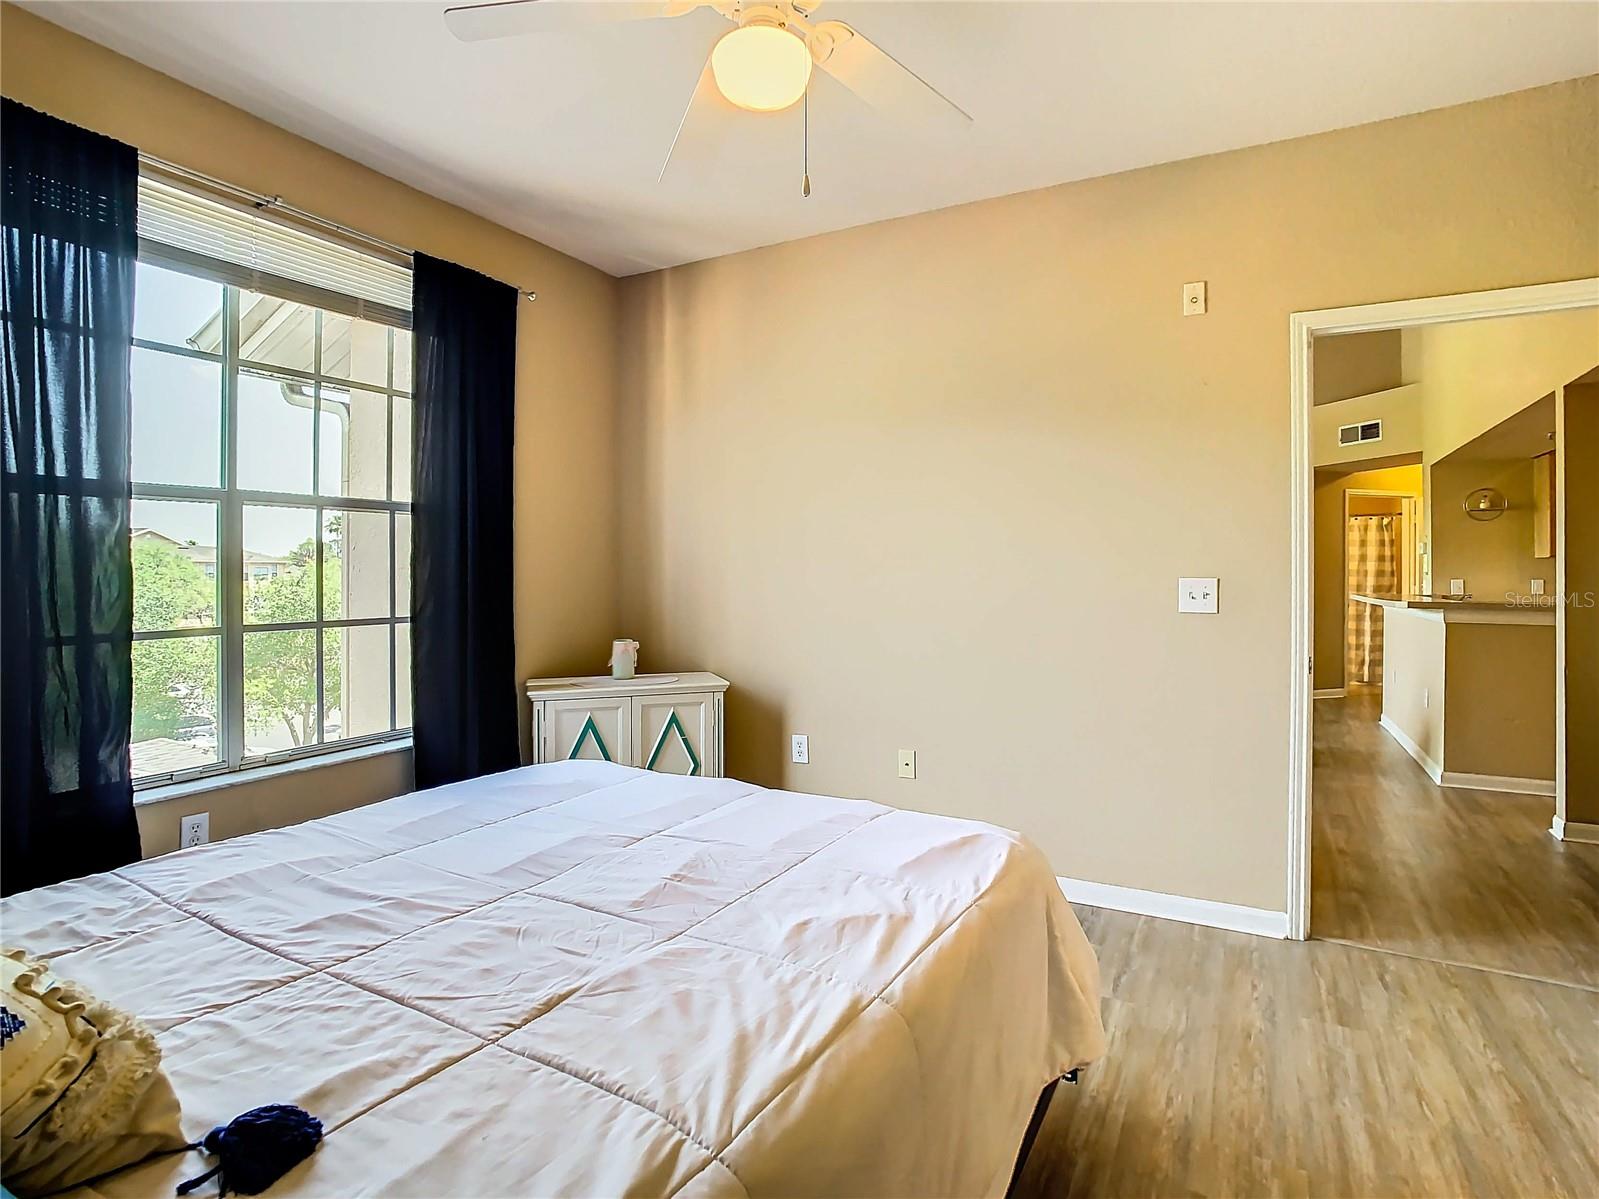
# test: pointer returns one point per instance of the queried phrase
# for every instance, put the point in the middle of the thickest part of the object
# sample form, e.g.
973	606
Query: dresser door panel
594	729
674	733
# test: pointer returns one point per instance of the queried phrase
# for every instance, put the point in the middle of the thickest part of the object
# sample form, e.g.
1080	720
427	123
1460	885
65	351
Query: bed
587	979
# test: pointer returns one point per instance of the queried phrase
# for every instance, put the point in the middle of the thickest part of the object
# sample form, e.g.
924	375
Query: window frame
232	500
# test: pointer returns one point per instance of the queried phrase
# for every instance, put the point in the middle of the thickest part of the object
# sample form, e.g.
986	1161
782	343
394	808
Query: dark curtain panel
463	669
68	243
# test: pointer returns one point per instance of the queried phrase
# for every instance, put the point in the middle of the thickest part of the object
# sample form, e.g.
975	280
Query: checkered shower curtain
1373	557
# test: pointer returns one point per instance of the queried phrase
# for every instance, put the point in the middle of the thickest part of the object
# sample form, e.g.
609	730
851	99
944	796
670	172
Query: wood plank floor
1399	863
1242	1066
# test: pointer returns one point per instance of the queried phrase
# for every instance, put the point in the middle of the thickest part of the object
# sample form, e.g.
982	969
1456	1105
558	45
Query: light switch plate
907	763
1193	299
1537	586
800	743
1457	586
1197	595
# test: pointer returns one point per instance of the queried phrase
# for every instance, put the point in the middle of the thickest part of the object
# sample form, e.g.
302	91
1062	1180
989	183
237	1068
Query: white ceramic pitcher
624	658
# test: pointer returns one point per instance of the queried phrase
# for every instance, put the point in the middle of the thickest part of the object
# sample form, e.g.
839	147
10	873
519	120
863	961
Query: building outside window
271	518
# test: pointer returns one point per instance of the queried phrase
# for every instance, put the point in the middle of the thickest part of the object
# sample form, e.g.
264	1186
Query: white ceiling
561	137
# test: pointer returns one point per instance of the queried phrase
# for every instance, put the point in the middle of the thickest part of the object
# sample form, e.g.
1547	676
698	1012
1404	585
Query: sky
177	425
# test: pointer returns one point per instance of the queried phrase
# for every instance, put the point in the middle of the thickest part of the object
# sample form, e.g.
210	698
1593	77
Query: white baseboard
1498	782
1330	693
1434	771
1470	782
1570	830
1259	921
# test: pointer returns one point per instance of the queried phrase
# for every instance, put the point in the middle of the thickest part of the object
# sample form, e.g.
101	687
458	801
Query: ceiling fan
762	64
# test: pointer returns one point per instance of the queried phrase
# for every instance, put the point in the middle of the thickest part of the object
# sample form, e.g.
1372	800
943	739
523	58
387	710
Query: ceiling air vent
1370	430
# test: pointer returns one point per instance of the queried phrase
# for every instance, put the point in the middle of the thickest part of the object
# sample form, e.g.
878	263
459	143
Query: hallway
1446	874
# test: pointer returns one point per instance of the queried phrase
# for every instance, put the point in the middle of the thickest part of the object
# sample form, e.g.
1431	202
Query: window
271	513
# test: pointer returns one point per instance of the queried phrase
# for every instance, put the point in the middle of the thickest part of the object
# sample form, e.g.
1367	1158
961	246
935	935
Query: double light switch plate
1196	595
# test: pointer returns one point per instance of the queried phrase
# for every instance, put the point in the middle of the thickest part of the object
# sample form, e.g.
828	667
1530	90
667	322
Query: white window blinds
248	247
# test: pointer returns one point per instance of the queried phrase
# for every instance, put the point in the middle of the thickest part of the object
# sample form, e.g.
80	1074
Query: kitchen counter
1469	689
1515	609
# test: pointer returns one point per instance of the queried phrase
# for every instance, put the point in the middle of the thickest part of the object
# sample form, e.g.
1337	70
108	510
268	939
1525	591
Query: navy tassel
257	1148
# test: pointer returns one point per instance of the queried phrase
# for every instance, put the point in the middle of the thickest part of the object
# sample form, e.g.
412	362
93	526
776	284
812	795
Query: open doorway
1379	537
1444	516
1368	540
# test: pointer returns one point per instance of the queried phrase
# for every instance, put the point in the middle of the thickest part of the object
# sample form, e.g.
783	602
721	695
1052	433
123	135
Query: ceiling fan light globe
761	68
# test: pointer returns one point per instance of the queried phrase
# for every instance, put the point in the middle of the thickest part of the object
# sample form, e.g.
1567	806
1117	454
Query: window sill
240	778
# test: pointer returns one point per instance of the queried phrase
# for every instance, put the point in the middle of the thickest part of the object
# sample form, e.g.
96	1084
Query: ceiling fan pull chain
805	183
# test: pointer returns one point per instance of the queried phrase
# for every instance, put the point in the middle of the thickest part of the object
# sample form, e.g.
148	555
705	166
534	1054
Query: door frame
1303	328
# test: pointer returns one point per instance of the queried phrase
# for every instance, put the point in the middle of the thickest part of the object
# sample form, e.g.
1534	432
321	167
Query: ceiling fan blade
513	18
701	132
879	78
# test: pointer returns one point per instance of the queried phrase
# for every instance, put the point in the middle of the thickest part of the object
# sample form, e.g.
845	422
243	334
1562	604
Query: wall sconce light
1486	503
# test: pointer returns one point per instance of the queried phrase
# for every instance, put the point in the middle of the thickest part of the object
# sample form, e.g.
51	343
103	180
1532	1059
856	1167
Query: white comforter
584	979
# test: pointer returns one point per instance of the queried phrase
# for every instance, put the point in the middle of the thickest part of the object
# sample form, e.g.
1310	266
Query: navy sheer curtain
463	669
68	245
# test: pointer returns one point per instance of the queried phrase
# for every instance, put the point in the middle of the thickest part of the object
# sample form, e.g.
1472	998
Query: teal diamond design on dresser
673	724
590	729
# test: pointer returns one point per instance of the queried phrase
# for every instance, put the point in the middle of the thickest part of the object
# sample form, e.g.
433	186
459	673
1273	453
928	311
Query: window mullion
318	641
394	565
230	554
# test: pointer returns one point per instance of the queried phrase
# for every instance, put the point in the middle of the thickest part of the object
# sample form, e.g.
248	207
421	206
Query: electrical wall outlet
1457	586
1197	595
907	763
194	830
800	747
1193	299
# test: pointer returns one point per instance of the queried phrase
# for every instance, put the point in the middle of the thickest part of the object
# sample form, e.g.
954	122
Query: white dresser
667	722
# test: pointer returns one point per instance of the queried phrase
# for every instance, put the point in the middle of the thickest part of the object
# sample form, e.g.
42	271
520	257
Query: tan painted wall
1579	522
930	483
1331	583
1494	557
1474	374
1499	700
1399	409
1357	364
283	798
565	552
1413	677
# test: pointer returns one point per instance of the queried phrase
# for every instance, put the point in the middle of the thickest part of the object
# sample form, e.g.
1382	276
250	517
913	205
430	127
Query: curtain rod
260	200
